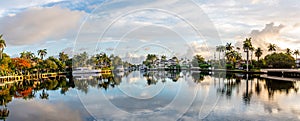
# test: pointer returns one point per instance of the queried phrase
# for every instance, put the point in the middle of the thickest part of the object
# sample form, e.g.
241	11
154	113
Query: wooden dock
12	79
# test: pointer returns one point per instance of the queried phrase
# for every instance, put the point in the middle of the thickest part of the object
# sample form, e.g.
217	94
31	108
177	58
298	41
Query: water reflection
217	95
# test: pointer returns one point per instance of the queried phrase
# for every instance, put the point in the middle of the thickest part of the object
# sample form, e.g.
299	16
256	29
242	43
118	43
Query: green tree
2	45
258	53
27	55
50	65
63	57
42	53
102	60
80	60
5	64
233	56
198	60
280	60
150	58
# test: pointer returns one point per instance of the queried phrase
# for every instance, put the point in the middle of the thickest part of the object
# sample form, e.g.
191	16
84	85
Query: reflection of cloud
132	80
33	110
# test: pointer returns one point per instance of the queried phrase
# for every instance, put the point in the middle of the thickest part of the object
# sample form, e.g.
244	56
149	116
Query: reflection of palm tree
197	77
44	95
4	112
257	87
247	95
280	86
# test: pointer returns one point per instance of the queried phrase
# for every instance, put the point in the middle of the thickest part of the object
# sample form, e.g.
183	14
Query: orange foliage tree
21	63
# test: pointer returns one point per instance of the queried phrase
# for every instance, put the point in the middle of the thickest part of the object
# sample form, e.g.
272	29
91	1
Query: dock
12	79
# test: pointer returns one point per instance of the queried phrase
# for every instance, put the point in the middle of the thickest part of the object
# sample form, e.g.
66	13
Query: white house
298	63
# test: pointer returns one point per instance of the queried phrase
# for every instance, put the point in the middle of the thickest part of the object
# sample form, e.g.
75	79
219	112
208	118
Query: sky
132	29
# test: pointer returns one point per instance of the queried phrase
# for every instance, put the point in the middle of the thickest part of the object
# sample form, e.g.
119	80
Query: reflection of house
298	63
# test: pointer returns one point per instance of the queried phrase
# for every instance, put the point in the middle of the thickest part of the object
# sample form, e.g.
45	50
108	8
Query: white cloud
36	25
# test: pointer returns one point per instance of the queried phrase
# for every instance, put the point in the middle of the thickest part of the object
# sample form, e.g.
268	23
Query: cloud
200	48
151	21
262	38
36	25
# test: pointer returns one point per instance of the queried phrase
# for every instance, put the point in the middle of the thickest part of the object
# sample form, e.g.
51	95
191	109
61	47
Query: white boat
86	76
85	70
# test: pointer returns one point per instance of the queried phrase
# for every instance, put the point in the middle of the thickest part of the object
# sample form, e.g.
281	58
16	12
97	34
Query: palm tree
229	47
296	52
288	51
247	45
2	45
272	47
42	53
233	56
23	54
258	53
27	55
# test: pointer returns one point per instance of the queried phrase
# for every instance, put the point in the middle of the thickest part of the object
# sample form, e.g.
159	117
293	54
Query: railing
12	79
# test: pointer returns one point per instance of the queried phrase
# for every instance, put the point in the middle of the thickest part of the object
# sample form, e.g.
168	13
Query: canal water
153	96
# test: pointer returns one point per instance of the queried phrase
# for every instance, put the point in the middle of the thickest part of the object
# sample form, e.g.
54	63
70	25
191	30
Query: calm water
153	96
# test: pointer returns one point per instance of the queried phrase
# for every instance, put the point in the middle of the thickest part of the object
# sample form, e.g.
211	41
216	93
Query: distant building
298	63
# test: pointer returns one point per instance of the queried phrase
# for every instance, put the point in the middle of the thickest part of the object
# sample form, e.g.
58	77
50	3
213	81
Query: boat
85	70
86	76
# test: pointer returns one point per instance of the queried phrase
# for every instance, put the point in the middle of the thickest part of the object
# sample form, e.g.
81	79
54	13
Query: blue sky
133	28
